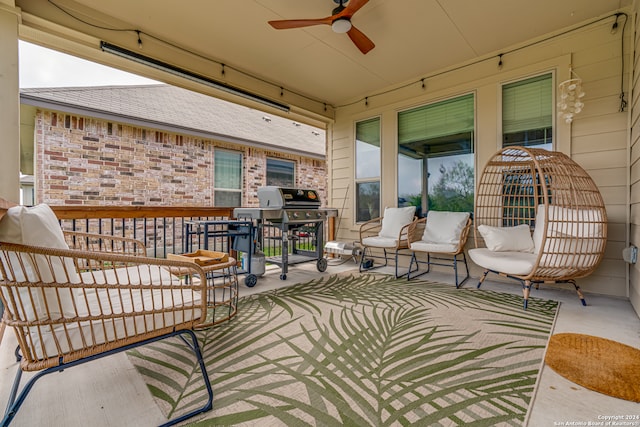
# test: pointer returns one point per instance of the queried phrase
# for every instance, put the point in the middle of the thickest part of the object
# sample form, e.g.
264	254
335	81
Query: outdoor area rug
360	350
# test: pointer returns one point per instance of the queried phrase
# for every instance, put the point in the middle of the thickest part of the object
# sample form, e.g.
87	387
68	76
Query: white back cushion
582	223
576	222
38	226
444	227
394	219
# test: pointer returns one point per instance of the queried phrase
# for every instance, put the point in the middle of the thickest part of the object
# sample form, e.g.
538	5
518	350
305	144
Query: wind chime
570	98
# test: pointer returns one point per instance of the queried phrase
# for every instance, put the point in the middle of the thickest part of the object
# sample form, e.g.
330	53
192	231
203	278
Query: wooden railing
161	229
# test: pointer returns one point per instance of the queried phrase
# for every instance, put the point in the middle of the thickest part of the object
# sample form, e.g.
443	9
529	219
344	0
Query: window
227	178
367	170
527	112
435	156
281	173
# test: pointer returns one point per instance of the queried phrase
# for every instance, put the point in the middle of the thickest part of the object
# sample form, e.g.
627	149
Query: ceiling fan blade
360	40
298	23
352	7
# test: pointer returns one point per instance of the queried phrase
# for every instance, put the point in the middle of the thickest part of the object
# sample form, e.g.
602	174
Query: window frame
369	179
225	189
473	149
294	174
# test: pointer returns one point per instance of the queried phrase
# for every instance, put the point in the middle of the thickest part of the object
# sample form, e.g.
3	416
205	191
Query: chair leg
417	270
526	290
413	258
363	256
195	347
466	267
455	269
364	252
395	260
484	276
15	403
580	294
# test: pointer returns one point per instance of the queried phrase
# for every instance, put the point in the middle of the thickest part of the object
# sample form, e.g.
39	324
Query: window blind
527	104
369	131
228	170
450	117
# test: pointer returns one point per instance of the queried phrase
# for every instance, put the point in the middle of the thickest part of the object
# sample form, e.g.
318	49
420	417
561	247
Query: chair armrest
104	243
416	230
370	228
464	235
406	233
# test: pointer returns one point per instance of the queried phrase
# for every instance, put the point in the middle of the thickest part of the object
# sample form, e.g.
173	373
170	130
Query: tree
454	189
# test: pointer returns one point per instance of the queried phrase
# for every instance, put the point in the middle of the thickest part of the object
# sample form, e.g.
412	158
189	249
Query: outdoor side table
222	292
222	289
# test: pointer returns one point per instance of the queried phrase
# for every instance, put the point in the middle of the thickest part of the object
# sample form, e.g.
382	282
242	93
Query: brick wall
88	161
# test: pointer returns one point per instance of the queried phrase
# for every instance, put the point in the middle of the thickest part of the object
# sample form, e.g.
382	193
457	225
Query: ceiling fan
340	21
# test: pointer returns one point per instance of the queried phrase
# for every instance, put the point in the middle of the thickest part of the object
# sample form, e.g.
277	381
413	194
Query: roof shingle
187	112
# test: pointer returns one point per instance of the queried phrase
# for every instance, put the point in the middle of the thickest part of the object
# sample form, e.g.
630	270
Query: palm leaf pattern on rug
359	350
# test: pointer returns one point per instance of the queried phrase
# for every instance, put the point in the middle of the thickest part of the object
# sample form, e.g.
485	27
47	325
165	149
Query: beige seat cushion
134	275
516	263
380	242
83	334
422	246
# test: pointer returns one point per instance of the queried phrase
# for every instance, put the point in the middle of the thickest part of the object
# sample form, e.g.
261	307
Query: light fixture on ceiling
614	27
139	39
176	71
341	25
570	94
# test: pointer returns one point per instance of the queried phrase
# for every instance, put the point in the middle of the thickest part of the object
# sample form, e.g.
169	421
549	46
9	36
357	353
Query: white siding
634	171
597	139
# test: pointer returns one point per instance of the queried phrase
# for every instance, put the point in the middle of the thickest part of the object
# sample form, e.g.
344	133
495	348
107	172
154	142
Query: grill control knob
307	214
295	215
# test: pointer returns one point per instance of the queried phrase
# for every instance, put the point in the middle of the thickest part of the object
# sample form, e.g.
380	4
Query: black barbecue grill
294	212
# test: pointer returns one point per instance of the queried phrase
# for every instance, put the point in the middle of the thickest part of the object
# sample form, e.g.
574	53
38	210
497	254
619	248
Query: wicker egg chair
566	223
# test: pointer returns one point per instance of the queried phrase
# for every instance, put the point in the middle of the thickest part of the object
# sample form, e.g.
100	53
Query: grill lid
279	197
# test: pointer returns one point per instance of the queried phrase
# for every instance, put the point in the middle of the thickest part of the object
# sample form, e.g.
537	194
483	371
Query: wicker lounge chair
71	306
389	234
443	236
539	217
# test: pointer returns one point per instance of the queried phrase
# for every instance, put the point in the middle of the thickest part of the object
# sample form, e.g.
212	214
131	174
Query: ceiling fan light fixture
341	25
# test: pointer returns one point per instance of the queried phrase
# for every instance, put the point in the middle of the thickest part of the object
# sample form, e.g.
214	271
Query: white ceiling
413	38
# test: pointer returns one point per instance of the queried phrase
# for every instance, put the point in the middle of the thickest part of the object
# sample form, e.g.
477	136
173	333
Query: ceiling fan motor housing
341	25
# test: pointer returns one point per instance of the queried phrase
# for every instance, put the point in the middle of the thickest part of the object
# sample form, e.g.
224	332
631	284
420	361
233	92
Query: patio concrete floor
109	392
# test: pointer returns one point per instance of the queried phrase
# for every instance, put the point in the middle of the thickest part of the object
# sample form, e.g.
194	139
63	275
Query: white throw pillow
394	219
444	227
503	239
38	226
